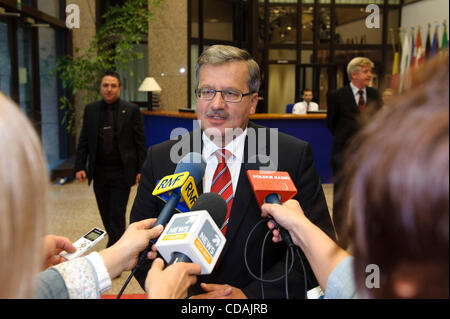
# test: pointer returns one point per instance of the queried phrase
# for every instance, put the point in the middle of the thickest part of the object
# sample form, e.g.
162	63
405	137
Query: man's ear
253	103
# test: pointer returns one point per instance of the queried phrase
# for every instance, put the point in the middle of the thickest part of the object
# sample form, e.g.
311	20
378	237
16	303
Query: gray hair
221	54
355	65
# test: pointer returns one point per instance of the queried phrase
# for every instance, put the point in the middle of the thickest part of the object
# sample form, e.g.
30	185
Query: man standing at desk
344	108
111	150
306	105
228	81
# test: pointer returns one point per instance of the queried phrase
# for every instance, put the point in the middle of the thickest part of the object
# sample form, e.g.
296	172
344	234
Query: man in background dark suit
228	81
111	151
345	107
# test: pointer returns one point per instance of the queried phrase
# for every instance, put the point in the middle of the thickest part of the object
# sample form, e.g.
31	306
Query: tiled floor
73	211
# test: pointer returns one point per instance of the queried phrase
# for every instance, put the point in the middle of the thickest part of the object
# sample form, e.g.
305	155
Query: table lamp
149	85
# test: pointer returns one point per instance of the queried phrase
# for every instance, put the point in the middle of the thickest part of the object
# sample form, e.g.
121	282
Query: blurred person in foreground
24	251
397	199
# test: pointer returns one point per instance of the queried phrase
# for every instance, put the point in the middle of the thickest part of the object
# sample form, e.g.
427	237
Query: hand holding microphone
123	255
172	188
289	215
273	188
191	244
172	282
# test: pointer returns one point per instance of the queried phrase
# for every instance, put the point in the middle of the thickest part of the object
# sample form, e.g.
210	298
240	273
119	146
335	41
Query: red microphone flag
265	183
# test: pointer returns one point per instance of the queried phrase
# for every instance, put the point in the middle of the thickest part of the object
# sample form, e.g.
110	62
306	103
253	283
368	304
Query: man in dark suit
111	151
344	115
228	80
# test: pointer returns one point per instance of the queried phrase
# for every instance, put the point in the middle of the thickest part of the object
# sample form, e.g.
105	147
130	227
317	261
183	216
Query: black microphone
214	204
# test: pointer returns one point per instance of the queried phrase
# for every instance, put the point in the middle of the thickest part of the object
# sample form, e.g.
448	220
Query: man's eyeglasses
232	96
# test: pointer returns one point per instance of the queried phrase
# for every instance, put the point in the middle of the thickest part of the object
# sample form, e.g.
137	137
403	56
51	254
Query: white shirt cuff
104	280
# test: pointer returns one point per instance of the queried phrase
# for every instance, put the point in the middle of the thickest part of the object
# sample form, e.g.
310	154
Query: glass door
24	69
5	59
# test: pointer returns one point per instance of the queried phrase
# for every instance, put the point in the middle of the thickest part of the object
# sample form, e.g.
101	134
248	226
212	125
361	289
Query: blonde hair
355	65
23	191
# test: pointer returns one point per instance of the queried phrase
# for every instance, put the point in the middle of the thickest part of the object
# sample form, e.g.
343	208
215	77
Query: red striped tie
221	183
361	102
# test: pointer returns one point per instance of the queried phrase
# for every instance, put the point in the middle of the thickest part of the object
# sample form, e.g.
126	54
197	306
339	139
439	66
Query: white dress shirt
235	147
355	91
300	107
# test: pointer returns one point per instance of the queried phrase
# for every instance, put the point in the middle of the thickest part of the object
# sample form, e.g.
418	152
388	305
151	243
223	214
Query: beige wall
281	87
82	38
167	47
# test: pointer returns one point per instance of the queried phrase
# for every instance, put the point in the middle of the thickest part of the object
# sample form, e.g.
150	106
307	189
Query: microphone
189	171
271	187
214	204
181	184
195	236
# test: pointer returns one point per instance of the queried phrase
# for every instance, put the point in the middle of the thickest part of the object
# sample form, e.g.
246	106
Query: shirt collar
114	104
235	147
355	89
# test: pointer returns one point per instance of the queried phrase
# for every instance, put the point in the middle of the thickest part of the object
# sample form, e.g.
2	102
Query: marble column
168	52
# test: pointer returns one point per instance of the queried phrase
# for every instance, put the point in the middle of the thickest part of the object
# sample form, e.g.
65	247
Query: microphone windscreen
214	204
194	164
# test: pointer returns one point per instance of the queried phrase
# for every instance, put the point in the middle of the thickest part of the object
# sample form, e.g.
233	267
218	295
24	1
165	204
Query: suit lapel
350	97
97	123
194	147
121	115
241	202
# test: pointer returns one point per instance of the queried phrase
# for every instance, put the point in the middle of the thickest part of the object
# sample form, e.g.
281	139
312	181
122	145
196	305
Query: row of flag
413	54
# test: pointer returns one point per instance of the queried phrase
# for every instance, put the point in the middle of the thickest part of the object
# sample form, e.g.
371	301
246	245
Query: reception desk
311	128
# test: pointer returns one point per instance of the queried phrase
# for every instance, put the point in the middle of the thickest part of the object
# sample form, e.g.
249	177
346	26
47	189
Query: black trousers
111	193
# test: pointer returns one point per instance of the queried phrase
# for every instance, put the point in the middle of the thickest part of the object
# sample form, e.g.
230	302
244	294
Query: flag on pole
428	43
435	44
405	60
419	56
394	76
444	45
413	49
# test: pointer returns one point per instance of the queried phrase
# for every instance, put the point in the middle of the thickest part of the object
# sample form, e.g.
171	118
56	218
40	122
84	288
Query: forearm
113	261
79	278
322	252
